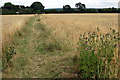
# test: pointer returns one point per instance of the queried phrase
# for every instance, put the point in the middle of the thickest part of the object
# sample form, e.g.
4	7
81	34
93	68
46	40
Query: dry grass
11	24
67	27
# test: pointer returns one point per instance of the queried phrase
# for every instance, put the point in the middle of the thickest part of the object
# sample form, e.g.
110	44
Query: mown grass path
39	54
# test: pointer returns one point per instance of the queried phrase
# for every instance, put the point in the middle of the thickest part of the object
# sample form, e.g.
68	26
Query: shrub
98	54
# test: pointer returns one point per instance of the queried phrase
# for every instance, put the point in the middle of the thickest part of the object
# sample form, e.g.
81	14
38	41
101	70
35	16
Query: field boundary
8	50
0	44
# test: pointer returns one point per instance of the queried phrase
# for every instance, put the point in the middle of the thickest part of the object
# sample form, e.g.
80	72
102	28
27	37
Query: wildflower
89	48
115	45
86	42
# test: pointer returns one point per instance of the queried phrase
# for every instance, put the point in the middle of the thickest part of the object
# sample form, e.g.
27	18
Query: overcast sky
60	3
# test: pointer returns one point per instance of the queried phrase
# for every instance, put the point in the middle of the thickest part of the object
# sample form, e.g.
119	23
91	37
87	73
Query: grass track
39	54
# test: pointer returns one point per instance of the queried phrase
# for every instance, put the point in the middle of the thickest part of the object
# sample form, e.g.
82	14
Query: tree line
38	8
9	8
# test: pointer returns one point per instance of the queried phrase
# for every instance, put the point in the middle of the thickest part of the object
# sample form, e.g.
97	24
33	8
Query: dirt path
39	54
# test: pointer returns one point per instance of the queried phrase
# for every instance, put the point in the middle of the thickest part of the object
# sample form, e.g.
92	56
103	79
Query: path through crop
39	54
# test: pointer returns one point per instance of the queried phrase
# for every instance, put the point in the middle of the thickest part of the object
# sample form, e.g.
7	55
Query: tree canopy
80	6
37	6
9	5
67	8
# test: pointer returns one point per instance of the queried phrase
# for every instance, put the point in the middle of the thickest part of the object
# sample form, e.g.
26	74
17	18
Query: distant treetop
80	6
37	6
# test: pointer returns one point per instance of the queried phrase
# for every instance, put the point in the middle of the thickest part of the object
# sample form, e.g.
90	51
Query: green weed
98	54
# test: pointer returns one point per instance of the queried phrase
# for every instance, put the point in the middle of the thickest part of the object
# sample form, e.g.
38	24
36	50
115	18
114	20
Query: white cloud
60	3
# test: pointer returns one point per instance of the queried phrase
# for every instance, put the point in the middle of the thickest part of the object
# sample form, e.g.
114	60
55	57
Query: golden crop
11	24
68	27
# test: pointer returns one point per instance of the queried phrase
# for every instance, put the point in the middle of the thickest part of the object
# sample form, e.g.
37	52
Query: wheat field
68	27
11	24
48	46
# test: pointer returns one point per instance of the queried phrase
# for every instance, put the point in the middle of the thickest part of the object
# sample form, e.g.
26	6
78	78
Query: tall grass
56	44
98	55
39	54
0	46
11	24
67	27
49	44
8	37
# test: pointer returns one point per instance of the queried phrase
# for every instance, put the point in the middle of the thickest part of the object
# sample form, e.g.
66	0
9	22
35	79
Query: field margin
11	45
0	43
119	41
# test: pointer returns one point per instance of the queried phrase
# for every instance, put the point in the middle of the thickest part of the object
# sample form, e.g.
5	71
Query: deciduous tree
37	7
80	6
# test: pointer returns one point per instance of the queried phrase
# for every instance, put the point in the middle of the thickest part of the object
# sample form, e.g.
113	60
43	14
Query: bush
98	55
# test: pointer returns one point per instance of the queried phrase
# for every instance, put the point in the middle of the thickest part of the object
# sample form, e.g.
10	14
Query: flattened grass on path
39	54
